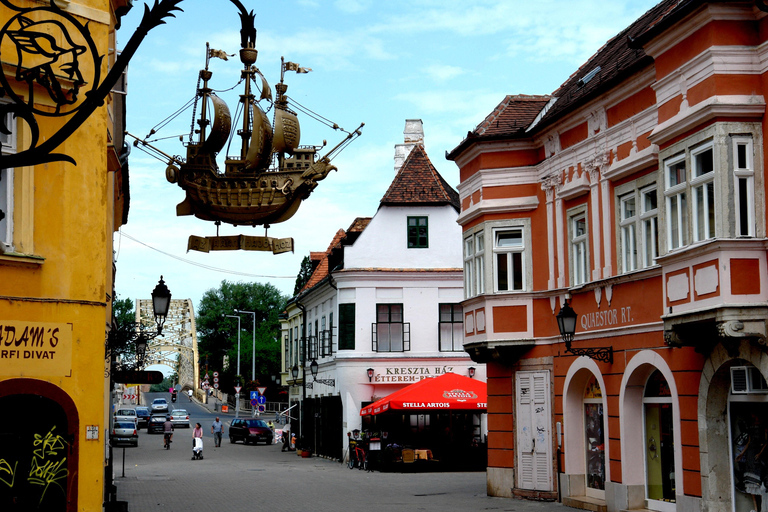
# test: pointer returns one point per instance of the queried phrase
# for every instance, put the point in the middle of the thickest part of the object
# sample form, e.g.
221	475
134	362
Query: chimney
412	134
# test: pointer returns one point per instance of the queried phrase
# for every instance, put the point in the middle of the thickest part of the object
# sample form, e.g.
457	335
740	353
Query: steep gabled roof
418	183
322	270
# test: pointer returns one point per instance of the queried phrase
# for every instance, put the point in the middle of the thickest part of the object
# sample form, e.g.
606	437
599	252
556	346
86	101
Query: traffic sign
254	403
254	395
261	399
215	379
262	408
261	390
206	377
238	388
216	385
205	385
215	375
133	397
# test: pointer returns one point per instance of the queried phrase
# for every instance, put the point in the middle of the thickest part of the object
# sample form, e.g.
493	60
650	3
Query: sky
446	62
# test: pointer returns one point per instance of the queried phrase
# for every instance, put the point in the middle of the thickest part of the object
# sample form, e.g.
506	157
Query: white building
382	308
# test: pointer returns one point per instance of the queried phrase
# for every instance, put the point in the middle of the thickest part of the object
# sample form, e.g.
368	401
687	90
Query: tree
217	334
123	328
305	272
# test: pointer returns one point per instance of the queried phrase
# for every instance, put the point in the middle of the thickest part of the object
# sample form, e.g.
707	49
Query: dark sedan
155	424
142	415
249	431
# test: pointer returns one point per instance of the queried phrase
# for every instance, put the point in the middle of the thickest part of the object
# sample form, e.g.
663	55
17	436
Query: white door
534	435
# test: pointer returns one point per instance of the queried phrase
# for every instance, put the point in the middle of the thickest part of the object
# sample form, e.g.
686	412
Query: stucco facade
635	194
56	282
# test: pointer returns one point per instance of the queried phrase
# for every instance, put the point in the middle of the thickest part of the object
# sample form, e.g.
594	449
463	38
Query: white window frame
628	227
6	187
510	253
701	194
744	175
579	247
676	193
474	264
649	219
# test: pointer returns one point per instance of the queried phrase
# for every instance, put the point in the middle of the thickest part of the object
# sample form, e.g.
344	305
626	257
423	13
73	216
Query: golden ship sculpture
266	183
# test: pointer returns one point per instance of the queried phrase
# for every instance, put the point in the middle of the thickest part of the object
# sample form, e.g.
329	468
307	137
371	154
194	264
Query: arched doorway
38	447
594	420
660	481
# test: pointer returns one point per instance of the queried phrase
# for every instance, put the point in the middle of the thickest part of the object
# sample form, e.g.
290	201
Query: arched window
659	444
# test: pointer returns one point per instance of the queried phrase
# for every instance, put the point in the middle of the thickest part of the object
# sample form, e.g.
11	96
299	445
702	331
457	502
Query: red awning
446	392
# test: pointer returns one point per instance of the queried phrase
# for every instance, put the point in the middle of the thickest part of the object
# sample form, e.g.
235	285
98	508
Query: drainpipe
303	365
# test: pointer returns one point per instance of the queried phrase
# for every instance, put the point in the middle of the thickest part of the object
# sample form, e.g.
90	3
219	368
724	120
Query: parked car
159	405
124	432
126	414
155	424
142	417
250	431
180	418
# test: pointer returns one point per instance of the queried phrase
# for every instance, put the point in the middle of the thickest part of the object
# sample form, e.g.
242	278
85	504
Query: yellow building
56	270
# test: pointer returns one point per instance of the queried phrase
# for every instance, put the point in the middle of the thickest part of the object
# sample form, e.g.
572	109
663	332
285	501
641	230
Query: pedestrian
286	440
216	431
197	432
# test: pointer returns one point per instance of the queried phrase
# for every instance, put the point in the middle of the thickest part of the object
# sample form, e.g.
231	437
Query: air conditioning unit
747	379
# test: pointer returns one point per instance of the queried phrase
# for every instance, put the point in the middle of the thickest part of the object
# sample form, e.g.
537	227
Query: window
474	268
703	188
346	327
509	259
627	221
649	216
578	228
287	357
390	333
744	185
418	233
8	143
326	348
638	230
677	207
451	332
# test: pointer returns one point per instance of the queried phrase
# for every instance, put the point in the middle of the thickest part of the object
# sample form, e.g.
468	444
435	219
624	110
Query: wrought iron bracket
327	382
75	44
604	354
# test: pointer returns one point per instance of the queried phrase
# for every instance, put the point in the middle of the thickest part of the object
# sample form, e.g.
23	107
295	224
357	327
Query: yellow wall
61	275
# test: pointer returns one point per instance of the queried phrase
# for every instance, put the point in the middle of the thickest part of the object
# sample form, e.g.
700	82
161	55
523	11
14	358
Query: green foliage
305	272
122	329
217	334
163	386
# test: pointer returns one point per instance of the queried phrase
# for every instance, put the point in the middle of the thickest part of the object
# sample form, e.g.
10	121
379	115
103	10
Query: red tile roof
615	61
322	270
418	183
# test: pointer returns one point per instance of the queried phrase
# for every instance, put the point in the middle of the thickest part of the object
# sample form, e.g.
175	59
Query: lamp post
313	367
237	400
471	372
370	374
253	365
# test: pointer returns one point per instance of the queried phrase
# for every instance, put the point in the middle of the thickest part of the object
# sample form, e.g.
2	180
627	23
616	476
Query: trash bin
224	408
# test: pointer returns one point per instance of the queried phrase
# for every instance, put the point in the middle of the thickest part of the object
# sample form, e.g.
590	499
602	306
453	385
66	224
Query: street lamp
566	323
237	403
313	367
370	374
471	372
253	366
295	372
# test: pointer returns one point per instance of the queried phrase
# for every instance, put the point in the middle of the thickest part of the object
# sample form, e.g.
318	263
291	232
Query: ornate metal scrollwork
604	354
51	47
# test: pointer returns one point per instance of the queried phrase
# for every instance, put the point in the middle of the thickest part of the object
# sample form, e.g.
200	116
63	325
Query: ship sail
287	131
222	126
260	150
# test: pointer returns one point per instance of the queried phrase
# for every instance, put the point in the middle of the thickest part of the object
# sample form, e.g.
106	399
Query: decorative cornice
507	205
633	163
712	107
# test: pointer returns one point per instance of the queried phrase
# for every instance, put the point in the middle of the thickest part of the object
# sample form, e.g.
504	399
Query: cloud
353	6
443	72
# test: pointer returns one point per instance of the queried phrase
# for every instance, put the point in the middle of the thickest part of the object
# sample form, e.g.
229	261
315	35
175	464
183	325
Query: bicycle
357	456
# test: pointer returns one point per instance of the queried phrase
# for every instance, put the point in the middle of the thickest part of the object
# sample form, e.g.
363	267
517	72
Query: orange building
636	194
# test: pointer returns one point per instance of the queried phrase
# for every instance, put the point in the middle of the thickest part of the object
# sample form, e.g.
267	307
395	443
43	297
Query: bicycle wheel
351	462
365	462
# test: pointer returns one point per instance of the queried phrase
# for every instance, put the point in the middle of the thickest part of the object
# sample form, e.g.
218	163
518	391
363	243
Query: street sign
205	385
133	397
238	388
261	390
216	385
261	399
215	375
206	377
254	395
254	403
262	408
137	377
215	379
